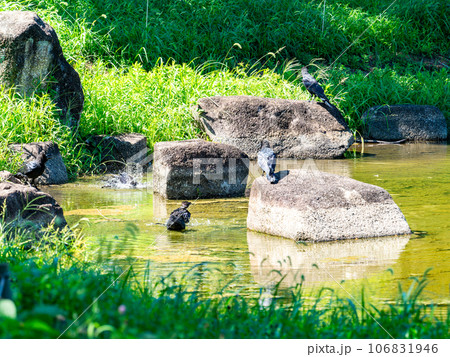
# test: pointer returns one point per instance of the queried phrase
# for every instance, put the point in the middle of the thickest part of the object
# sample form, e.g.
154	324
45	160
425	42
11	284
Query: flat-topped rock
31	58
118	151
411	122
294	128
29	208
55	170
317	206
193	169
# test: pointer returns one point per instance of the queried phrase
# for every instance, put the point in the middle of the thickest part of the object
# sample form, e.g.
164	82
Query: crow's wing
309	81
174	217
123	178
267	160
272	162
318	91
186	216
176	212
30	166
262	161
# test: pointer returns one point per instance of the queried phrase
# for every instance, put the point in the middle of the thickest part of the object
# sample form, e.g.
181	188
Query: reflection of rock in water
161	207
273	257
419	151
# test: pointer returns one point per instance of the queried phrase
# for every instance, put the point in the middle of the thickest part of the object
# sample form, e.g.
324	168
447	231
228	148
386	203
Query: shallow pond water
127	226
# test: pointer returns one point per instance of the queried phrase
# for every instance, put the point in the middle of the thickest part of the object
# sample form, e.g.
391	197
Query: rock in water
309	205
120	151
29	207
411	122
31	57
192	169
295	128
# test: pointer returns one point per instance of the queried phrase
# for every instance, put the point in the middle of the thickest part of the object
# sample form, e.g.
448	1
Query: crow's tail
328	104
271	178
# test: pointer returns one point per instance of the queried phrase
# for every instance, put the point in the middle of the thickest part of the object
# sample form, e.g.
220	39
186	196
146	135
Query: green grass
53	284
124	31
34	119
157	103
142	72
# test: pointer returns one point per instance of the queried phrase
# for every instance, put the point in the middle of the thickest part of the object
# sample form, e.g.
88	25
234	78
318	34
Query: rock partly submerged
25	206
294	128
309	205
120	151
196	168
410	122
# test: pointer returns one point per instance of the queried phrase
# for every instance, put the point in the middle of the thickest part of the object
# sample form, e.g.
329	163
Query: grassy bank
53	284
157	103
145	64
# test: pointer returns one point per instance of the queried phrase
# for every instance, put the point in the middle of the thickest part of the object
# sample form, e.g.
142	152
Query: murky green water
416	175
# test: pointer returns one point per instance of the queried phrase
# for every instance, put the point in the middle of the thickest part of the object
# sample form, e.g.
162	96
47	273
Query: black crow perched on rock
267	161
179	217
35	168
314	87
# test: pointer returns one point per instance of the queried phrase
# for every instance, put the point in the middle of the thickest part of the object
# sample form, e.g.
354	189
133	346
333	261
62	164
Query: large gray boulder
193	169
55	170
118	151
294	128
27	207
317	206
411	122
31	58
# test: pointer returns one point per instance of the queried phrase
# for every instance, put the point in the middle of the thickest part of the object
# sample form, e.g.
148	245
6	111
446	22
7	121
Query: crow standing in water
34	169
179	217
267	161
314	87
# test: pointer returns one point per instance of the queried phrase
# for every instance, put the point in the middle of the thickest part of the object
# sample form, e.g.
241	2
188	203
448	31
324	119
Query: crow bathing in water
35	168
179	217
267	161
314	87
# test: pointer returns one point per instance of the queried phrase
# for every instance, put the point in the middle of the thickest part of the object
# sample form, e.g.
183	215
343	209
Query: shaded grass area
376	31
53	285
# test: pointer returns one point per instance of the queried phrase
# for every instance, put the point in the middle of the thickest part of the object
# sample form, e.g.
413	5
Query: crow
33	169
267	161
179	217
314	87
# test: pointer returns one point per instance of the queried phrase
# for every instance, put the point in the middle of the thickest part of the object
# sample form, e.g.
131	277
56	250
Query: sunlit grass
158	103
